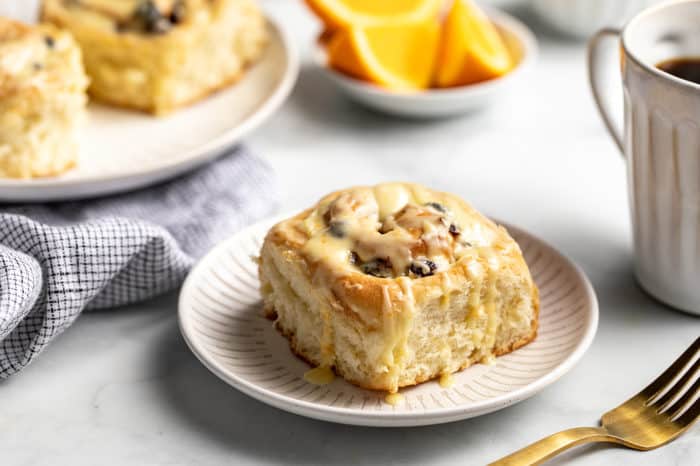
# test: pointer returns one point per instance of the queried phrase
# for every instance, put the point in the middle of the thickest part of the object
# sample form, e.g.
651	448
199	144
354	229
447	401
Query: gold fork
652	418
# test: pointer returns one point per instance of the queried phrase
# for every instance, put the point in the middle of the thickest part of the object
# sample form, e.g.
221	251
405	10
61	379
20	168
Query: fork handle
548	447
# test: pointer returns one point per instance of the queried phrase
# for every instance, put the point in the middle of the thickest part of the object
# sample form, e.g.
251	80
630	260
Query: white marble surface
120	387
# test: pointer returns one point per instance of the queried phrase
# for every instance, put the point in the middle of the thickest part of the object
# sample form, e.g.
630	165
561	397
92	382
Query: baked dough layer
181	52
396	284
42	100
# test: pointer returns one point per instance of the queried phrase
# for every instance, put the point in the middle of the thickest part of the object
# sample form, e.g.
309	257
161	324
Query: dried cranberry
148	12
178	12
161	26
151	19
337	229
437	206
422	267
378	267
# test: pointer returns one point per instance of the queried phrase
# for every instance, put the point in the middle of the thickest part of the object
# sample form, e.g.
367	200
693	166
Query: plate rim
432	416
192	158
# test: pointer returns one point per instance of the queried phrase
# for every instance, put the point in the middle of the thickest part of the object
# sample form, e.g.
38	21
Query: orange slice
338	14
471	50
324	38
400	57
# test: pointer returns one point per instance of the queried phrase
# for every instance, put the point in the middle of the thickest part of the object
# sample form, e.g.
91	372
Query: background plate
221	319
124	150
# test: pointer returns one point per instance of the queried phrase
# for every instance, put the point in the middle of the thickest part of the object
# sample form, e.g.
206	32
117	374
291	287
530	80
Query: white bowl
434	103
581	18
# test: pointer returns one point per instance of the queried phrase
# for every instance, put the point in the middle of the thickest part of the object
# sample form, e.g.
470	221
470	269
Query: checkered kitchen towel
57	260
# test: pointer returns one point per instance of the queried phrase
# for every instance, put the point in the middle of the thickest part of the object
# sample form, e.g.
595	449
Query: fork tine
678	406
690	415
665	401
653	389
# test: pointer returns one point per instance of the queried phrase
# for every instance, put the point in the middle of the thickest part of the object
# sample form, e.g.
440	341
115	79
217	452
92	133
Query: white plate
124	150
221	319
438	103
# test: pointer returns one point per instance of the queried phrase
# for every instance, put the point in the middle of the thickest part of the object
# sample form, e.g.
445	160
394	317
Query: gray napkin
57	260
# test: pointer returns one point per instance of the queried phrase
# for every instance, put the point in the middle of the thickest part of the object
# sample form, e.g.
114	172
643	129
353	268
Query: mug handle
595	78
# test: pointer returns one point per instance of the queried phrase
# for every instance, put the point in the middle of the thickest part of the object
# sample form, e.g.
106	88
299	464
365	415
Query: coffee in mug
684	68
660	67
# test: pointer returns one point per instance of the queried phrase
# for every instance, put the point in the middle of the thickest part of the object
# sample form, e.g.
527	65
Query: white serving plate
221	320
123	150
581	18
439	103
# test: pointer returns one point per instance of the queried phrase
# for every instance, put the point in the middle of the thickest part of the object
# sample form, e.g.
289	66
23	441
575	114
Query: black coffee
684	68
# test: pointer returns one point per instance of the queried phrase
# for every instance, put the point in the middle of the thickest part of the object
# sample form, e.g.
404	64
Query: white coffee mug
661	143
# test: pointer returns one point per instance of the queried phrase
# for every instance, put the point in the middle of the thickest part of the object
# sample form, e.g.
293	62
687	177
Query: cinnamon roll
42	100
396	284
158	55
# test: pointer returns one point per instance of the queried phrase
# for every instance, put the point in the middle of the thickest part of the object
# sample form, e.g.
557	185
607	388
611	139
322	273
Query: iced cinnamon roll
158	55
396	284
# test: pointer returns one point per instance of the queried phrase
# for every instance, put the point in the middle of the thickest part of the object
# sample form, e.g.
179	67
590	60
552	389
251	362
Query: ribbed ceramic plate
221	319
123	150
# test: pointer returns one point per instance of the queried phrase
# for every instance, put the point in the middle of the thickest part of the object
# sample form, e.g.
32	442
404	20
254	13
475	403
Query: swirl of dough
384	232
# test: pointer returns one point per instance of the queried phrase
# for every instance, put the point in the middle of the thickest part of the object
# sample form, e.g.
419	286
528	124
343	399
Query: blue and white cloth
57	260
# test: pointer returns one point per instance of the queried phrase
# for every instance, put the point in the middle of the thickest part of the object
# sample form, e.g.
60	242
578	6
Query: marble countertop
120	387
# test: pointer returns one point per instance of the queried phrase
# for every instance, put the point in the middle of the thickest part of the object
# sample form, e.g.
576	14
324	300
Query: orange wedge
339	14
471	50
325	37
399	57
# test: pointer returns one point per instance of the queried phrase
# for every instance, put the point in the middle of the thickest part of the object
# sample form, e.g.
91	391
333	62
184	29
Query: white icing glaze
391	224
391	197
394	399
403	224
446	380
321	375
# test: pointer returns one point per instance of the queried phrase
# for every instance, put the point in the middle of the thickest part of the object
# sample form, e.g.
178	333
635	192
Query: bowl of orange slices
421	58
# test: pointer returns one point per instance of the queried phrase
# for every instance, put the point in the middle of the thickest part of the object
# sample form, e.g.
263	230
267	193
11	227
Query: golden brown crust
13	30
152	109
